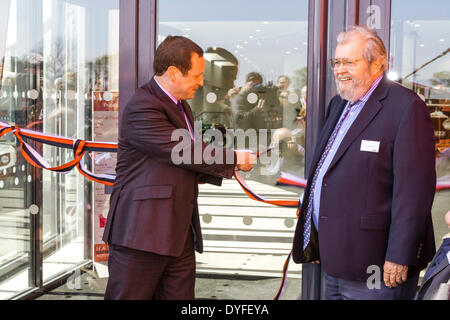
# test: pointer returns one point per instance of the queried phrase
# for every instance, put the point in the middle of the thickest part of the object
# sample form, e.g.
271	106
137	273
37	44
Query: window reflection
420	60
254	83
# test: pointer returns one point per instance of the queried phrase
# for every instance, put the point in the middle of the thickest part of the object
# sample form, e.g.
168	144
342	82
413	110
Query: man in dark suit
153	222
366	211
436	281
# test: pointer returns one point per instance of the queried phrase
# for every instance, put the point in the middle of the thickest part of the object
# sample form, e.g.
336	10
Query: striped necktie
191	131
309	209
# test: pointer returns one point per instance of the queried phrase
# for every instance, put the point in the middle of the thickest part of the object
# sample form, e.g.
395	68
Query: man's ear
173	73
377	66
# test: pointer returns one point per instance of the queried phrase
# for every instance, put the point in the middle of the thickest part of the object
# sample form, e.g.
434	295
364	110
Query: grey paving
88	287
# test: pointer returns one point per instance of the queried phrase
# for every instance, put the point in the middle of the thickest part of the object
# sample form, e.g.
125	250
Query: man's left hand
394	274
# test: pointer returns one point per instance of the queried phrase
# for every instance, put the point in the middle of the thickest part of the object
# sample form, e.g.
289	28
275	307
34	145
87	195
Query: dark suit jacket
438	273
154	201
375	206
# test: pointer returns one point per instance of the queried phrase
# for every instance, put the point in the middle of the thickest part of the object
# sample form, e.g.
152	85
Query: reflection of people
289	107
153	223
436	281
244	104
283	87
211	100
291	152
371	187
300	120
290	139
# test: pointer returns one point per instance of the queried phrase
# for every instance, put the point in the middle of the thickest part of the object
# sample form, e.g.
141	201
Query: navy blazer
154	202
375	206
438	273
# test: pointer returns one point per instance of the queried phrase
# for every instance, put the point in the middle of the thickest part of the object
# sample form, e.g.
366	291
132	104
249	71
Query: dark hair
255	77
175	51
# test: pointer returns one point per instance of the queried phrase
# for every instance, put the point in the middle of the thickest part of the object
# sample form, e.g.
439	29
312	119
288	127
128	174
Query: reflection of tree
299	80
441	79
57	66
56	62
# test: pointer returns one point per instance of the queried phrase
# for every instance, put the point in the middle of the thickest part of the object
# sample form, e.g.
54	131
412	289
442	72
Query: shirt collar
166	92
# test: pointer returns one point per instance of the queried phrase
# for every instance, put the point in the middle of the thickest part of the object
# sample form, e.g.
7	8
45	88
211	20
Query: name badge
370	146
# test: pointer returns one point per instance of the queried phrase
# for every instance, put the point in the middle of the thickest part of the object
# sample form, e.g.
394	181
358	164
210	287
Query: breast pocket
153	205
152	192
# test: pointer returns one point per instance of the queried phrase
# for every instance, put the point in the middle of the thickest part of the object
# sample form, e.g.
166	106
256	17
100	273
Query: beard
356	90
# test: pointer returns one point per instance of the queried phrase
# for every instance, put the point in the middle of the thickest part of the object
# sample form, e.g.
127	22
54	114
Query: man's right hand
245	160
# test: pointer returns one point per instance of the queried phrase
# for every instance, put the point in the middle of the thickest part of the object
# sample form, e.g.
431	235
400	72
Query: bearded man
367	203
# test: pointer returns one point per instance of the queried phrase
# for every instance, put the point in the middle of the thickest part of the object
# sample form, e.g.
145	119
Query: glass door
254	90
57	58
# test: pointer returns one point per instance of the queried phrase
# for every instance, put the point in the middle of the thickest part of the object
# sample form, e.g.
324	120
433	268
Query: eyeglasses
348	63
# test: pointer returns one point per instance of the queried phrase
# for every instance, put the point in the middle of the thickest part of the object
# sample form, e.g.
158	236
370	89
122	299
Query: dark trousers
140	275
341	289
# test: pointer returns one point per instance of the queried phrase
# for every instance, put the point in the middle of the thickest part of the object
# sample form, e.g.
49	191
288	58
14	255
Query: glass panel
16	188
255	80
80	48
55	55
420	60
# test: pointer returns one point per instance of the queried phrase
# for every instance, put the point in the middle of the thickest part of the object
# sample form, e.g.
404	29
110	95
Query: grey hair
374	47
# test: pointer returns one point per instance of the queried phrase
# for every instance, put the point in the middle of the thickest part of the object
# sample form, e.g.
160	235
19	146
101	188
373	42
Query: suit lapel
369	111
441	266
172	110
190	116
327	130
